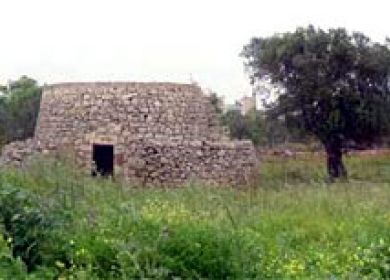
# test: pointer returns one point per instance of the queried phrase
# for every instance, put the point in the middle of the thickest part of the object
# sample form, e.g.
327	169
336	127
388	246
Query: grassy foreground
57	223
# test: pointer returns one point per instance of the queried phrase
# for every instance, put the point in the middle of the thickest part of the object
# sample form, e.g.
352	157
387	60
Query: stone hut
146	133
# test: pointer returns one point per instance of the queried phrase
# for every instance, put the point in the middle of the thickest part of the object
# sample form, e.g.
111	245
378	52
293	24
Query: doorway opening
103	158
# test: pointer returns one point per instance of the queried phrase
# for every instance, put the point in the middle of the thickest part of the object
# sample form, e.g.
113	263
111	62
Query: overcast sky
171	40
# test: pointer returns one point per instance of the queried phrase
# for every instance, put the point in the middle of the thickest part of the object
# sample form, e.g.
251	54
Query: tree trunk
335	165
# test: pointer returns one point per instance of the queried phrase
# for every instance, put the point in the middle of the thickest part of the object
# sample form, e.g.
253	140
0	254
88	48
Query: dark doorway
103	157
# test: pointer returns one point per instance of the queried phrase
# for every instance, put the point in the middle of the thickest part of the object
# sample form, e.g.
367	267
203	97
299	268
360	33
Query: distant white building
246	104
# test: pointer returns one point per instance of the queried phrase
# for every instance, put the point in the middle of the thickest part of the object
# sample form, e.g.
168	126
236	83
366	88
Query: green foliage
23	226
250	126
3	120
290	226
332	84
375	260
197	251
19	106
29	228
216	102
261	129
9	266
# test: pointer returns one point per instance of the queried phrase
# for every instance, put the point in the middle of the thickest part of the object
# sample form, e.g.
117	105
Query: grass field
290	225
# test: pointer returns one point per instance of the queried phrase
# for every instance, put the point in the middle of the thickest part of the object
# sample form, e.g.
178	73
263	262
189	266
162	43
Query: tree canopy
247	126
19	106
333	84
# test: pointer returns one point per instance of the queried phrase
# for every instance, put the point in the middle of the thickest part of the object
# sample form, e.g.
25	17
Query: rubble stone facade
160	133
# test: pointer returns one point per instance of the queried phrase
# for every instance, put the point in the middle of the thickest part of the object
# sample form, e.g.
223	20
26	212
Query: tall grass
290	225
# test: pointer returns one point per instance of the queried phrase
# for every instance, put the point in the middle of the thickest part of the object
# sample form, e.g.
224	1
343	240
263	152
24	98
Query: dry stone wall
166	162
162	133
16	152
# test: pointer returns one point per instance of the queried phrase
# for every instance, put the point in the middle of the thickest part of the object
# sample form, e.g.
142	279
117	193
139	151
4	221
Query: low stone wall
165	163
227	163
15	153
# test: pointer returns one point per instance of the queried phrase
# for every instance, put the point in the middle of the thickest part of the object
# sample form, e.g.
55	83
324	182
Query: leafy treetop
333	84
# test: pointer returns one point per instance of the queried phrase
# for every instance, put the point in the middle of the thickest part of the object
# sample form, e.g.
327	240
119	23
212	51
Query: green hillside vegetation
59	223
301	218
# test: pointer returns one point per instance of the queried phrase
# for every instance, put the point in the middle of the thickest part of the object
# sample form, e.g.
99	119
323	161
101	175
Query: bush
29	229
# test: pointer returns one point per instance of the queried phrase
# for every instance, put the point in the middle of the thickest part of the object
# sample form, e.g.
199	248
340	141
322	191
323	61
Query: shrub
30	229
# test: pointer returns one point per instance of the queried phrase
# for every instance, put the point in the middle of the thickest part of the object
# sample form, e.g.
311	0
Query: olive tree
333	84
